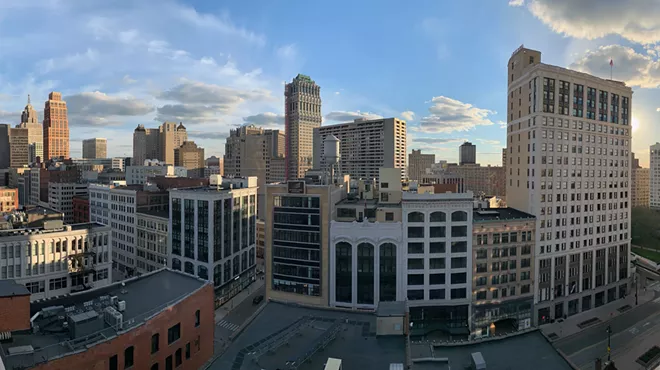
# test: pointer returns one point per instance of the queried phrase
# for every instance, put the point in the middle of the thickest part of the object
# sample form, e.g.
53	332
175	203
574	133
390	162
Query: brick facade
15	313
80	209
199	338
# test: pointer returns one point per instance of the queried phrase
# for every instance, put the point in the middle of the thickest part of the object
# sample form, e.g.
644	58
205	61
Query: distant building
419	163
5	151
19	144
80	209
481	180
151	245
56	128
60	197
78	258
640	189
157	143
95	148
467	153
191	157
8	199
302	113
140	174
162	320
365	146
654	175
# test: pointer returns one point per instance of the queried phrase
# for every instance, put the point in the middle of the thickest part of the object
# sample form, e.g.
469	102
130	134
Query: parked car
258	299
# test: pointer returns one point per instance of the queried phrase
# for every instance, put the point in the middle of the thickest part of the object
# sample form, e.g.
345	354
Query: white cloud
489	142
344	116
287	52
502	124
128	80
629	66
516	2
222	24
449	115
408	115
99	109
434	140
74	61
265	119
637	21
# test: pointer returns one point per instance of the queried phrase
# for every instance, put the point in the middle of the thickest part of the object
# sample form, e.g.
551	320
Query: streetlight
609	344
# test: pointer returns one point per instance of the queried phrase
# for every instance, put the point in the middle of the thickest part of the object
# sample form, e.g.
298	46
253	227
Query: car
258	299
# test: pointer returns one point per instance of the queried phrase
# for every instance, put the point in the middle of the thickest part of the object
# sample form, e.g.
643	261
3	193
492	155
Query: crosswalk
227	325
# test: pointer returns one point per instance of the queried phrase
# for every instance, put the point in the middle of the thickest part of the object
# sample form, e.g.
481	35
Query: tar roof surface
356	343
488	214
144	296
522	352
9	288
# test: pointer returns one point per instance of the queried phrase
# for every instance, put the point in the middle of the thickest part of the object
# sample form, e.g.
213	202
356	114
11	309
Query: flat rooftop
497	214
41	230
145	296
522	352
10	288
292	331
156	213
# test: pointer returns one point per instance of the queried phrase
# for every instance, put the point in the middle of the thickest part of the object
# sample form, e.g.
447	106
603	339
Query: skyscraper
19	147
95	148
191	157
157	143
568	141
56	128
302	115
467	153
418	163
4	145
30	121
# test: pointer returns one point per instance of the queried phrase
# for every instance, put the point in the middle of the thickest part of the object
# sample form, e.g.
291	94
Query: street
234	313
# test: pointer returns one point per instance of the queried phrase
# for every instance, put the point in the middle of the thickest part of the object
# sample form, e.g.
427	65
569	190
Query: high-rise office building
190	157
302	114
19	144
4	146
30	121
419	163
56	128
568	141
640	187
654	175
95	148
365	146
467	153
157	143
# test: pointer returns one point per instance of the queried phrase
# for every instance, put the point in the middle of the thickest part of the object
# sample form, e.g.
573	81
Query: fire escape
81	266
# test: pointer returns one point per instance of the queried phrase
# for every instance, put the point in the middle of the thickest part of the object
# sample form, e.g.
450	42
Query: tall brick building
56	127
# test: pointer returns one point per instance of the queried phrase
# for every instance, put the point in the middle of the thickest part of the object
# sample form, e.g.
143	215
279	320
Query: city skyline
115	72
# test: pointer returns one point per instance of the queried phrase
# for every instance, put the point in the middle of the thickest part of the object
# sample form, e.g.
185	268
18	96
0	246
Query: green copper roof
305	78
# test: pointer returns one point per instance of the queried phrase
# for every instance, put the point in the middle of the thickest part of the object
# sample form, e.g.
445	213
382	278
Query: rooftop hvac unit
113	300
113	318
121	306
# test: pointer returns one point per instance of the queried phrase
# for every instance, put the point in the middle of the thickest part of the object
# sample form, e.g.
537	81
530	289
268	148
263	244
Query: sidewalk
224	310
568	327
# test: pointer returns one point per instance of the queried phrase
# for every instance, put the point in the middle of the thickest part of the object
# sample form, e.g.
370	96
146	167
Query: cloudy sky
215	65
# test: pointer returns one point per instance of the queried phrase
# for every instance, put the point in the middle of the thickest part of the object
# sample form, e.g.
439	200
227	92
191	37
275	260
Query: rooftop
291	332
10	288
520	352
155	213
58	227
145	296
498	214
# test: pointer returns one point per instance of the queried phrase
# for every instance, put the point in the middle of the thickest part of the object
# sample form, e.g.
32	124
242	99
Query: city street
633	333
234	313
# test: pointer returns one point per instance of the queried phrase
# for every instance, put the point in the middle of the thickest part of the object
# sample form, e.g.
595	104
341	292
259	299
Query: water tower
331	154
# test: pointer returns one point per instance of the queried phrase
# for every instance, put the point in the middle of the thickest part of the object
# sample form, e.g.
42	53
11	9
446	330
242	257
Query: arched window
343	272
189	268
459	216
415	217
365	273
203	272
176	264
438	216
387	282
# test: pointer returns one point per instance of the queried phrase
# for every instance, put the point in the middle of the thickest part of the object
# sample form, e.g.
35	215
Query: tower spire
28	99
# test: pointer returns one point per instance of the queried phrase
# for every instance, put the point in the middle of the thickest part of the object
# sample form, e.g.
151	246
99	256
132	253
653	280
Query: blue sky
441	65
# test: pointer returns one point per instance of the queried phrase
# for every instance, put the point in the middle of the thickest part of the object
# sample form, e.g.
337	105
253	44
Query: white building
57	259
60	197
118	163
654	176
140	174
151	248
568	142
213	229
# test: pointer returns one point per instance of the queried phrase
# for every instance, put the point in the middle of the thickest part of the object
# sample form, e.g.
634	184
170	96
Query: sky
217	65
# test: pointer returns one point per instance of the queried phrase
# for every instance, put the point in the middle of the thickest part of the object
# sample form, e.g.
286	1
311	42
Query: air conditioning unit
113	300
113	318
121	306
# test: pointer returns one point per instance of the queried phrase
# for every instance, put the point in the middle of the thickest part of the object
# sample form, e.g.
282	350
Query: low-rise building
56	259
139	174
503	262
8	199
151	248
161	320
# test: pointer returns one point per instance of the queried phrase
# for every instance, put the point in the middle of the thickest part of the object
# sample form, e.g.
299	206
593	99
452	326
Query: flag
611	63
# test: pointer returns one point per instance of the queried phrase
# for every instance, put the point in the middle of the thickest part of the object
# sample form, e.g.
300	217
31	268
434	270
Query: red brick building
80	209
8	199
168	323
14	307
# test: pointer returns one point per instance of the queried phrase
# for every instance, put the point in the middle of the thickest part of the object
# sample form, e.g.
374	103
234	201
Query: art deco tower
302	115
56	127
30	121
